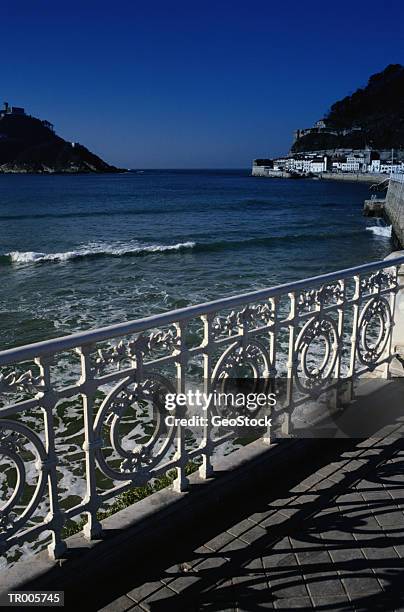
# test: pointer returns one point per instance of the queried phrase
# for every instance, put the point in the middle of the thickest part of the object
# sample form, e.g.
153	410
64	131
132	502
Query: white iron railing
312	334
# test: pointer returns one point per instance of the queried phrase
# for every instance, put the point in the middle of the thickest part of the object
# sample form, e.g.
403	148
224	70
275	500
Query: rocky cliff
29	145
372	116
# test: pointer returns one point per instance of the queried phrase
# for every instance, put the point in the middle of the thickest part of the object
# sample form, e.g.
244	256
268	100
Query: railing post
55	517
291	364
336	399
396	366
272	356
356	302
206	469
181	483
88	388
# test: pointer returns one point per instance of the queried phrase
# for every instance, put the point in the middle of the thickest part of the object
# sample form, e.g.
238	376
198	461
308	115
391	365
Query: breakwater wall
354	177
269	172
394	209
351	177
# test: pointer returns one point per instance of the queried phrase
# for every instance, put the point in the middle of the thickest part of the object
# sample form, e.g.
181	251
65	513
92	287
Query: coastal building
353	161
374	166
378	166
318	165
336	165
18	111
297	164
350	163
281	163
321	127
391	167
261	166
305	164
11	110
356	163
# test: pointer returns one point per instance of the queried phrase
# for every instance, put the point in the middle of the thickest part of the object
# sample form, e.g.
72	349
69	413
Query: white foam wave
380	230
29	257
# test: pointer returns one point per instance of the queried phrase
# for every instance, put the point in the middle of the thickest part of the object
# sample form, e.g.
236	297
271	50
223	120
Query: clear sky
165	84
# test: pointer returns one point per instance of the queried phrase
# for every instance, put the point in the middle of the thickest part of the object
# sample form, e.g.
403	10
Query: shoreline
350	177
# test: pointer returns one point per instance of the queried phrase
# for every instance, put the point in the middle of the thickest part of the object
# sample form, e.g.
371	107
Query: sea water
77	252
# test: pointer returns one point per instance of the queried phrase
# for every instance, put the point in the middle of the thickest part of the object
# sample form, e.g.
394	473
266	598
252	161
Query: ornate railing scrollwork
382	279
374	331
240	361
116	354
129	463
314	369
113	355
19	448
168	340
27	382
102	426
319	298
253	315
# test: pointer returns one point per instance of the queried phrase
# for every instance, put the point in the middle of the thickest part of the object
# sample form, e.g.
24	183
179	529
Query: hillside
28	144
372	116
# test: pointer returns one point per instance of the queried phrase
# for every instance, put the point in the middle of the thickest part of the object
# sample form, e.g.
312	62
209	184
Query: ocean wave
92	251
380	230
136	250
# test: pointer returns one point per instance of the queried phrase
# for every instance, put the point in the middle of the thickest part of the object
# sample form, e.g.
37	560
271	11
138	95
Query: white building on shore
318	165
350	163
391	167
305	164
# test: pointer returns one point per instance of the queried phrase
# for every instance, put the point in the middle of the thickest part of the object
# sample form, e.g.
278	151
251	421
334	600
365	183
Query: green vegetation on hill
29	145
375	113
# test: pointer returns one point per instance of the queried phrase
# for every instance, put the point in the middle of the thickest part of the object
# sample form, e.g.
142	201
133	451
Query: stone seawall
269	172
330	176
353	177
394	210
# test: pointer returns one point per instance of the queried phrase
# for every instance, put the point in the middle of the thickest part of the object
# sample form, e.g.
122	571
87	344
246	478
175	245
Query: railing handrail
63	343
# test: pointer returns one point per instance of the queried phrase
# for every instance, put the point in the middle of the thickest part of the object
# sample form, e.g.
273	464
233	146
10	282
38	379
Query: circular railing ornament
314	368
120	412
20	447
374	328
246	369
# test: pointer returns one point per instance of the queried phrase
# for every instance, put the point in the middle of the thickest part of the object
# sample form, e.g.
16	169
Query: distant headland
30	145
362	134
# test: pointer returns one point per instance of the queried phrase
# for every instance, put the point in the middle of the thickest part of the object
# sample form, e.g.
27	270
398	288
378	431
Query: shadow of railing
331	532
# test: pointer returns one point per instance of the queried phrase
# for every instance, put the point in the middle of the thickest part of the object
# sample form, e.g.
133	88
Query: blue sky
190	84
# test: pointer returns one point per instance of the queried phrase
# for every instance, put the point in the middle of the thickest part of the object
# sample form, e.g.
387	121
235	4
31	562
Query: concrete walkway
333	539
